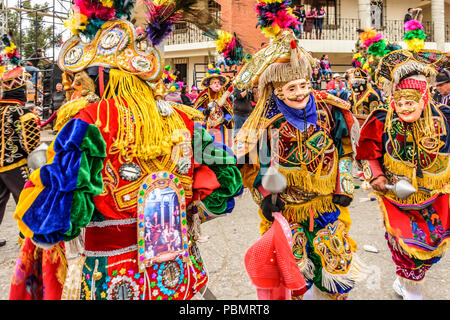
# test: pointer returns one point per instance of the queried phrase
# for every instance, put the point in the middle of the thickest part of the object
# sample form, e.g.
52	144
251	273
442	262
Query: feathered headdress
213	73
414	35
163	14
228	45
275	16
374	42
10	50
168	77
88	16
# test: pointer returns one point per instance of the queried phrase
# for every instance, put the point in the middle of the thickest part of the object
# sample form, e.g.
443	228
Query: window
376	13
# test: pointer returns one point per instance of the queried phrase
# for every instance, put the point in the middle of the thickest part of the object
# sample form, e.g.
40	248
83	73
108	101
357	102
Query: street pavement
232	235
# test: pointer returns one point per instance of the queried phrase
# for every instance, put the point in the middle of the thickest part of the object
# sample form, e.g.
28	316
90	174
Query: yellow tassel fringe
142	131
68	111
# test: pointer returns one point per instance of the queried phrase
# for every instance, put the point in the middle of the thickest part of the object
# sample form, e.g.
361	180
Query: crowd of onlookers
311	21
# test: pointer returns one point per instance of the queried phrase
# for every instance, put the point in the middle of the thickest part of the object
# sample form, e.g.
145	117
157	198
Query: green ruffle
378	48
89	183
223	164
415	34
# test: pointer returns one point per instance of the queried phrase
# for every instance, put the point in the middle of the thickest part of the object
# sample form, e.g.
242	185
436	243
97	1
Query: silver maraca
403	189
274	182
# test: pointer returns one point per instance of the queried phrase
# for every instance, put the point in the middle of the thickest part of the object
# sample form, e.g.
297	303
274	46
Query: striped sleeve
58	200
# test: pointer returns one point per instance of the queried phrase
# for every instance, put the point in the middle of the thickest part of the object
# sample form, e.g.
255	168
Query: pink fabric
271	266
280	293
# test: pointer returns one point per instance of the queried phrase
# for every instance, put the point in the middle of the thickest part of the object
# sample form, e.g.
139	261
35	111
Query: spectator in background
408	15
58	97
320	17
336	87
325	67
35	110
316	79
184	97
193	94
347	82
300	13
242	108
310	20
32	66
442	95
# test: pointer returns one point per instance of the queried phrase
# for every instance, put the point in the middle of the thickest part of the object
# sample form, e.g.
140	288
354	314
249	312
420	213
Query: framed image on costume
162	224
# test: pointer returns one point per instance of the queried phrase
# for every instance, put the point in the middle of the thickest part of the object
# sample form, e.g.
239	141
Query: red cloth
425	229
39	274
412	84
270	263
205	182
370	141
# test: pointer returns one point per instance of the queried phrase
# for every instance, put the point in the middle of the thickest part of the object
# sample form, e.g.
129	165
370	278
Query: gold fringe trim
438	183
406	249
68	111
142	131
311	182
300	212
253	128
192	113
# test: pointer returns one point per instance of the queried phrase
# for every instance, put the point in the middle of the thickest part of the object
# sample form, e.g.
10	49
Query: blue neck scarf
296	117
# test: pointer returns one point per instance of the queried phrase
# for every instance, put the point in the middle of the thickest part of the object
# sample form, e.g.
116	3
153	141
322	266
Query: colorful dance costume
417	228
312	148
128	180
219	121
364	99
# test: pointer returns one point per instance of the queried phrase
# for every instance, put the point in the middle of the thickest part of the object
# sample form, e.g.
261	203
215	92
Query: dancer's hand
379	184
267	207
342	200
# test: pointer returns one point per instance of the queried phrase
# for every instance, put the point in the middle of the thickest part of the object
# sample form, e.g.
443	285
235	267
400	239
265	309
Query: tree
32	31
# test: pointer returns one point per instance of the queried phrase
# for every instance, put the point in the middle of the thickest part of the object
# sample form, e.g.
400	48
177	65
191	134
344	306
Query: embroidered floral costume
312	148
417	228
129	178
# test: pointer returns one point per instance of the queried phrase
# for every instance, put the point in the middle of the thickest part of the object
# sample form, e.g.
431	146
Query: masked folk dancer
19	130
364	99
306	135
115	162
218	118
408	140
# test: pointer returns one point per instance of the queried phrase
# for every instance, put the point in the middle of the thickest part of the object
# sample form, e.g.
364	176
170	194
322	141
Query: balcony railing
392	30
186	33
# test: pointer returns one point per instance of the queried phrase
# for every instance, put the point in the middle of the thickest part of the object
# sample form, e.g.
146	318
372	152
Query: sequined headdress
115	45
397	65
214	73
16	77
283	60
401	64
